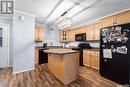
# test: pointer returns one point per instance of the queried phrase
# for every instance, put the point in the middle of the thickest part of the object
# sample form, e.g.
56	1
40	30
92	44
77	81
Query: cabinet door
82	30
86	57
109	21
36	34
123	17
71	35
96	31
64	35
94	62
36	56
76	31
40	33
61	36
90	31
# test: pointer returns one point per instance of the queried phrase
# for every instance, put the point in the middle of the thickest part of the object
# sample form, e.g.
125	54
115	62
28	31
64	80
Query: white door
4	51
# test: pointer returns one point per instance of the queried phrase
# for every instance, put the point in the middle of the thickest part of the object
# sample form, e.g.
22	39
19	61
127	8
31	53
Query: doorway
4	45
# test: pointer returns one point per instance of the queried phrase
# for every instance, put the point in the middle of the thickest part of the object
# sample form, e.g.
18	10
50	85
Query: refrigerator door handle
105	60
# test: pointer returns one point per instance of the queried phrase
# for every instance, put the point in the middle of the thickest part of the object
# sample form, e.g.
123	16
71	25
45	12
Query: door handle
105	60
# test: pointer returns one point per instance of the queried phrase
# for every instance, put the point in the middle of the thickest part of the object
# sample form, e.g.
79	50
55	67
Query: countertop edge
60	53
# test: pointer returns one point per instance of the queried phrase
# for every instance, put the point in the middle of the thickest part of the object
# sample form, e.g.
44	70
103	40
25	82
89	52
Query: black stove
80	48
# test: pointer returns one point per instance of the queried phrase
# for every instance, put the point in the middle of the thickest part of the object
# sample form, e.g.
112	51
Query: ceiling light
64	22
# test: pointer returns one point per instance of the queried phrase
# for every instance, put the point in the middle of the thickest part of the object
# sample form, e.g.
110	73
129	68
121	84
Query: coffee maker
44	45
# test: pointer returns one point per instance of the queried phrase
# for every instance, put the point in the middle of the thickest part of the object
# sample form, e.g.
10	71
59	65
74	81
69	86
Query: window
0	37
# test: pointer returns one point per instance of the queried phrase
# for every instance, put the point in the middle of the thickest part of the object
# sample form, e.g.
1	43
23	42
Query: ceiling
47	11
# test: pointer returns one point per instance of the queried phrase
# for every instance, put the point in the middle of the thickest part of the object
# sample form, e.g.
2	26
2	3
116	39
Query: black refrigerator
115	53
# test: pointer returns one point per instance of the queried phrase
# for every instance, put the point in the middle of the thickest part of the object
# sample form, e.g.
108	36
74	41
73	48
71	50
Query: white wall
23	42
9	21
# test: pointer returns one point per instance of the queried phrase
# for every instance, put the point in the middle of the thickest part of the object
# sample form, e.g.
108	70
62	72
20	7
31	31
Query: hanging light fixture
63	21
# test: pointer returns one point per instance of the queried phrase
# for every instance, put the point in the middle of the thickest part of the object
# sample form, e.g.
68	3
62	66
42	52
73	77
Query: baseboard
23	71
86	65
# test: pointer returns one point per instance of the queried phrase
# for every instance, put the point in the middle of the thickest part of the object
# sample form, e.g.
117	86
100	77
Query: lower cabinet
91	58
86	57
40	56
94	61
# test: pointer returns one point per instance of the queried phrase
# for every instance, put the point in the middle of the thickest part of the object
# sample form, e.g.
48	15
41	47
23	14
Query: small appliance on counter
44	45
80	48
65	45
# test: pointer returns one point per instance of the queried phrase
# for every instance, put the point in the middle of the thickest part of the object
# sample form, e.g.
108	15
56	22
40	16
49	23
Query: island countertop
60	51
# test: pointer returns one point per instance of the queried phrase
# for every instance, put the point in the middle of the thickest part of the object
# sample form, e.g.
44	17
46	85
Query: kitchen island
64	64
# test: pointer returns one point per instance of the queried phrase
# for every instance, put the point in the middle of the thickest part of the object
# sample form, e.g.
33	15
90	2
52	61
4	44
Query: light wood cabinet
96	31
93	30
108	21
64	67
76	31
81	30
123	17
36	56
94	61
117	19
90	30
86	58
36	34
39	34
63	35
71	36
91	59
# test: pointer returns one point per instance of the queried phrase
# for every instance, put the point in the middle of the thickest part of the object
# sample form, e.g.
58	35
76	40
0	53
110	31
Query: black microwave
80	37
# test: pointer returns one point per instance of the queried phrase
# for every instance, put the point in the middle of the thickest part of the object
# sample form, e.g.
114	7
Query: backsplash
93	44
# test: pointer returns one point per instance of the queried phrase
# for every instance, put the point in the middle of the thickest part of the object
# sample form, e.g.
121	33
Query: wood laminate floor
42	77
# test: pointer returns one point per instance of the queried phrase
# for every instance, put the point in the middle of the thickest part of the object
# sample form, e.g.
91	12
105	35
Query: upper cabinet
89	32
39	34
117	19
108	21
96	32
123	17
93	31
71	36
81	30
63	35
